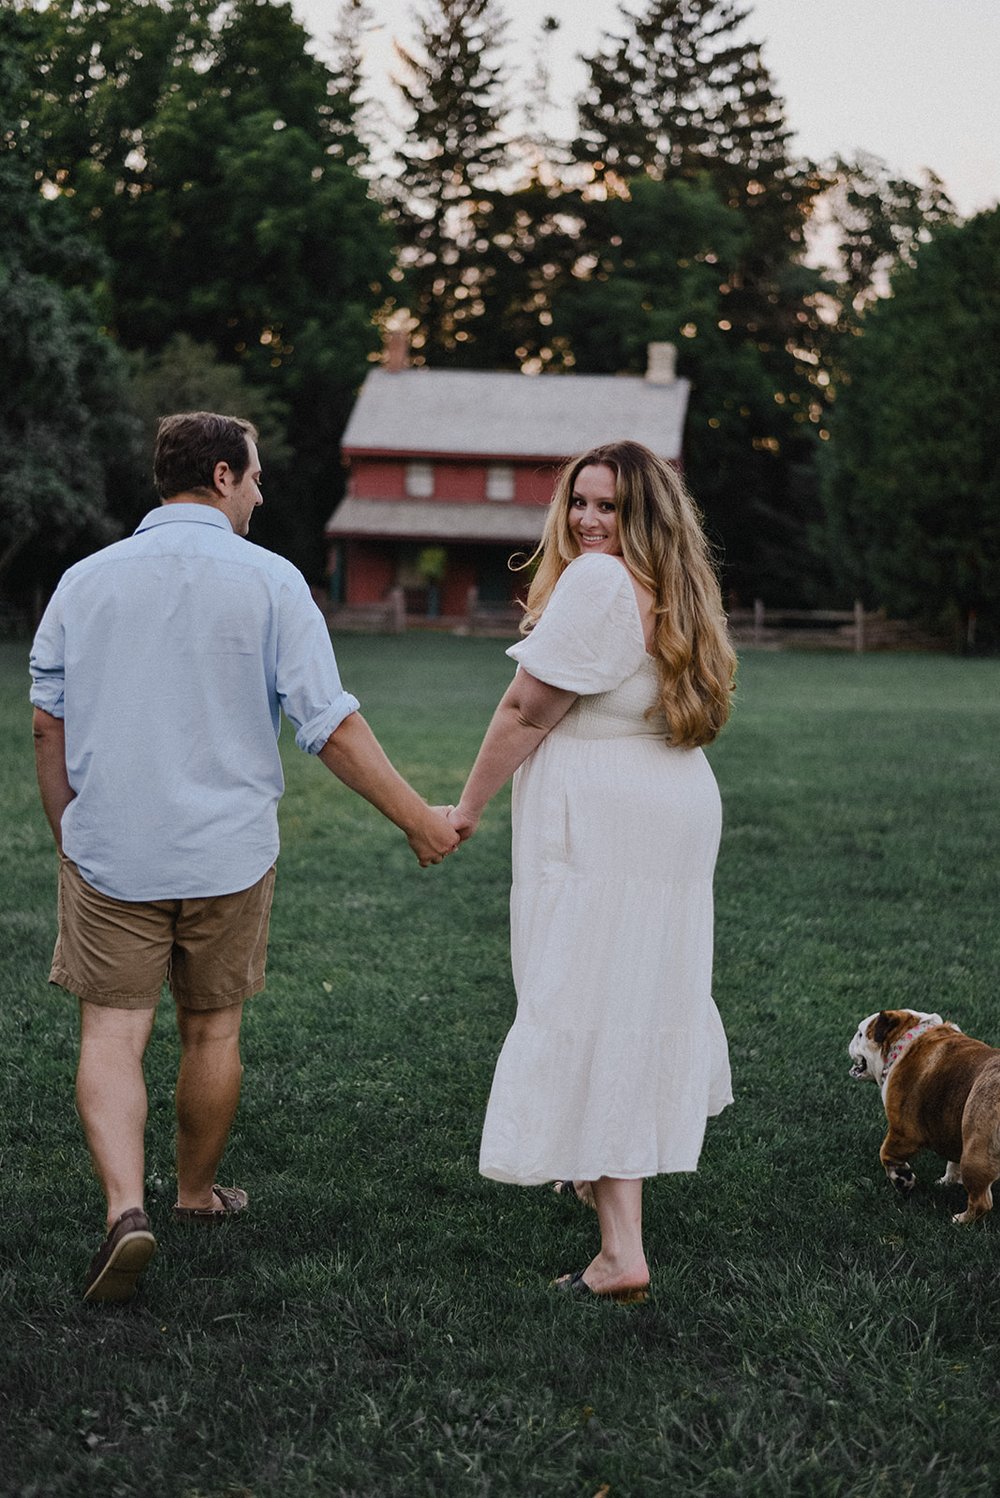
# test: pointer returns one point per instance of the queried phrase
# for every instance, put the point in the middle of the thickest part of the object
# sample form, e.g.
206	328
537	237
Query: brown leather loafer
115	1268
233	1198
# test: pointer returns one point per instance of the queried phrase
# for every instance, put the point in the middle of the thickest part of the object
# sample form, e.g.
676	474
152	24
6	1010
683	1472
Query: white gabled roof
474	412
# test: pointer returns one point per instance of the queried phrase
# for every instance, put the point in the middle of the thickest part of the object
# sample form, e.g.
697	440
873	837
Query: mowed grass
380	1323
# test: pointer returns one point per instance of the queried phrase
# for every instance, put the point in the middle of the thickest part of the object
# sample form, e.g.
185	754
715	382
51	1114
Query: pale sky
915	82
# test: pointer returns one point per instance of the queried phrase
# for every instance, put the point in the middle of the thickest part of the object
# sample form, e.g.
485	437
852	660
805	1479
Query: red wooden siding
454	482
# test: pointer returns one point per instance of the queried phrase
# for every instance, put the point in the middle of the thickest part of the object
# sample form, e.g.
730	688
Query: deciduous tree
207	149
669	251
65	427
912	485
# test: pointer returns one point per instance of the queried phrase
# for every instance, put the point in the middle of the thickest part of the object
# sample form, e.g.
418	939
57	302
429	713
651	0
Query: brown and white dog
941	1091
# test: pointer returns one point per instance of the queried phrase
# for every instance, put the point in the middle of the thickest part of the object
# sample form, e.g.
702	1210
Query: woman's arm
528	710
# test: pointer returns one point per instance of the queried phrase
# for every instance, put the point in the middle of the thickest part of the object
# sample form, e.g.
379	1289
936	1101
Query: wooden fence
387	617
827	629
823	628
854	629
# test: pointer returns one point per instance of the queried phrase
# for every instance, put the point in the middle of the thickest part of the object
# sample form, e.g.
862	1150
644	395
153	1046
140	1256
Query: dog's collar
905	1041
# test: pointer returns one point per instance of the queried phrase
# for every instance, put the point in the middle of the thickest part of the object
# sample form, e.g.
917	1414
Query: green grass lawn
380	1324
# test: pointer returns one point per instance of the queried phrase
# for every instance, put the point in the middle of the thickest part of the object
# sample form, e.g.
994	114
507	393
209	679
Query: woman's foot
582	1191
617	1279
576	1285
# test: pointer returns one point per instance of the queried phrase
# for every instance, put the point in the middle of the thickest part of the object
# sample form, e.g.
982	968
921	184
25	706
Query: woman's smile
593	512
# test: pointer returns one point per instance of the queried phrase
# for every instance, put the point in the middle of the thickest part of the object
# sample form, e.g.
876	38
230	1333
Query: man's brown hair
189	445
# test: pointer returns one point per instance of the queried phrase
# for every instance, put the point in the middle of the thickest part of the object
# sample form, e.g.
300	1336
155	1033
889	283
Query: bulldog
941	1091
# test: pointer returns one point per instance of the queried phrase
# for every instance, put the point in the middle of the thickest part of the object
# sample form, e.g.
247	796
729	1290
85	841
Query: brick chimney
396	352
661	363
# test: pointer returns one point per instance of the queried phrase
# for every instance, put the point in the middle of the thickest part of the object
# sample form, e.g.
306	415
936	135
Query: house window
499	481
420	480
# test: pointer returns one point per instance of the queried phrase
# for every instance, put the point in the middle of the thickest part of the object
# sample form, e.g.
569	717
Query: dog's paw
964	1218
902	1178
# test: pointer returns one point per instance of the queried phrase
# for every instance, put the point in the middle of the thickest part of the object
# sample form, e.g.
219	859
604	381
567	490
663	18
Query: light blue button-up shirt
169	655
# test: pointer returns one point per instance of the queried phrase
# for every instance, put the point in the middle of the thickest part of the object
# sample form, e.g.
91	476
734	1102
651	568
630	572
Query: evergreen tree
879	221
678	96
449	171
347	84
538	103
681	95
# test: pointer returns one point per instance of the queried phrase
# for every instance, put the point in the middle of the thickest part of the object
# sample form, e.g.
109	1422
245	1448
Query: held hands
463	822
440	833
435	838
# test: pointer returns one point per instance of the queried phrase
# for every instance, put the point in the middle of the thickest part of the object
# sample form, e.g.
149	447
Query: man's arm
50	764
355	756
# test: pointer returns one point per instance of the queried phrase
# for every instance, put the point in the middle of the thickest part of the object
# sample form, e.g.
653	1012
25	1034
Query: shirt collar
193	513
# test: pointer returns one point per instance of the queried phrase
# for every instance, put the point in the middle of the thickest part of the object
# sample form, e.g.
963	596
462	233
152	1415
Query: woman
617	1055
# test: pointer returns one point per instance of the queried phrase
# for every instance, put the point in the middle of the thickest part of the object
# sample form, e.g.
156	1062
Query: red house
451	472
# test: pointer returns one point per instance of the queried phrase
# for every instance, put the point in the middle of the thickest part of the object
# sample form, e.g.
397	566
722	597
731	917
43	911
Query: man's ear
220	474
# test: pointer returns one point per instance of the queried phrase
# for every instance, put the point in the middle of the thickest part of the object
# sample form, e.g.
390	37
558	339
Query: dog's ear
881	1028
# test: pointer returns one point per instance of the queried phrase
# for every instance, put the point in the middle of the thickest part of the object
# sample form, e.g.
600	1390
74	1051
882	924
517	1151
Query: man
158	672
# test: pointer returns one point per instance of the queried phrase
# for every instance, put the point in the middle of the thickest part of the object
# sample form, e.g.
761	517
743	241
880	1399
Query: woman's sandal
568	1188
575	1284
233	1198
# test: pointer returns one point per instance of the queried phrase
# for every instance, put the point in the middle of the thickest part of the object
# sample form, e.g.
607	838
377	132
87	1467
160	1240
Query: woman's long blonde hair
664	547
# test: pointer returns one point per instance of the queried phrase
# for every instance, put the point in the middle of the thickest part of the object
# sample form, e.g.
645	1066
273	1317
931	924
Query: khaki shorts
119	953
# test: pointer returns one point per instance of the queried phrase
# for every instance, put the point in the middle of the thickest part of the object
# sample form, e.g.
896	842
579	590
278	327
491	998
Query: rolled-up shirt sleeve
308	682
47	662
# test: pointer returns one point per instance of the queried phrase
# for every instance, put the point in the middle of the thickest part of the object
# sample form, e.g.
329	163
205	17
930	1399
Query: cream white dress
617	1055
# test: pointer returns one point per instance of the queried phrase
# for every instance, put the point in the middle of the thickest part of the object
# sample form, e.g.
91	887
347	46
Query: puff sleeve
589	638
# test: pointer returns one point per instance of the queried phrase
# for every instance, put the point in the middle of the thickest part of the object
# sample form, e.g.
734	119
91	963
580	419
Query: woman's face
593	513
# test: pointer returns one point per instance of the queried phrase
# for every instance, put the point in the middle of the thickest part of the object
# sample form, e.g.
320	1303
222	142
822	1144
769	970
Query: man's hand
435	838
355	756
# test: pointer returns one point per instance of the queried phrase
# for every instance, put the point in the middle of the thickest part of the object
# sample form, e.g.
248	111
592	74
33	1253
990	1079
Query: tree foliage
65	424
878	220
680	111
678	92
204	203
679	213
682	94
446	206
913	480
214	159
670	249
189	376
65	429
346	88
